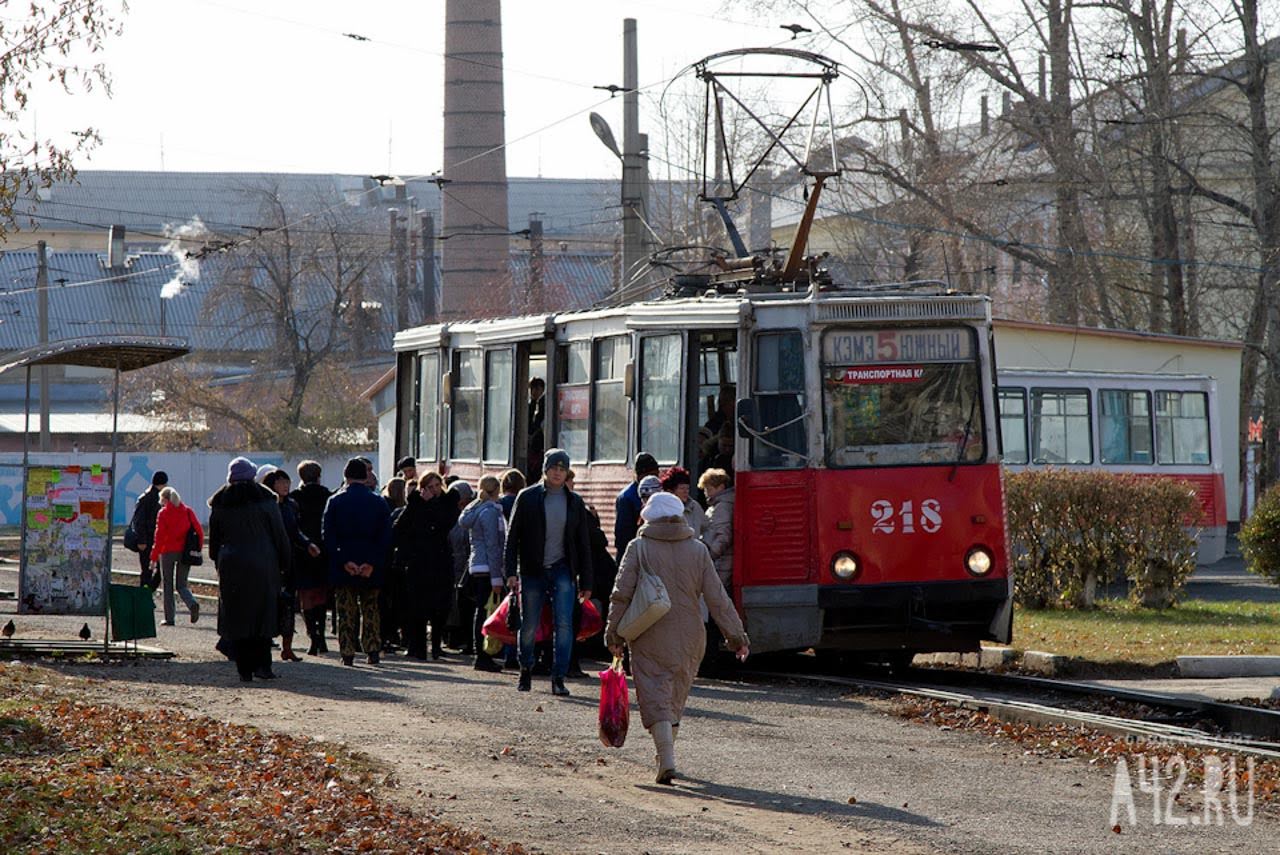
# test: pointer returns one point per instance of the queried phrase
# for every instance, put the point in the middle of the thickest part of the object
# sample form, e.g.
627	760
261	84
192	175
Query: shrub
1260	537
1072	531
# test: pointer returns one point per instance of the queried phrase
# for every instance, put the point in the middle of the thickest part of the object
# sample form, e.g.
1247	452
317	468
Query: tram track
1130	713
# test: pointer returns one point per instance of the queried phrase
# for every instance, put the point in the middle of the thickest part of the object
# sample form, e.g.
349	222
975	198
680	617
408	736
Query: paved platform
1225	689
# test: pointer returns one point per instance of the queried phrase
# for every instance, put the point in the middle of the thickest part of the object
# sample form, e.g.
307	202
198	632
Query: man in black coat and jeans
548	549
144	526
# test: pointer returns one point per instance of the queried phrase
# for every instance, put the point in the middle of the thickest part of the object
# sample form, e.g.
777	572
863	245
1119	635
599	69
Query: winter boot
665	742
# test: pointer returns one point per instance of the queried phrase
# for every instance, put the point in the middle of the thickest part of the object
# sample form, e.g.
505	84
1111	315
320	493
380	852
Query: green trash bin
133	613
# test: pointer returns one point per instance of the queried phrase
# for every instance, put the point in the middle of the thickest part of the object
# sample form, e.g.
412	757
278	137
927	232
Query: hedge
1260	537
1073	531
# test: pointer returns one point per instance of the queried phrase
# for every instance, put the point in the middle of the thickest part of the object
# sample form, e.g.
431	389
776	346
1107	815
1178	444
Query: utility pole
42	311
428	232
412	240
398	240
635	177
537	265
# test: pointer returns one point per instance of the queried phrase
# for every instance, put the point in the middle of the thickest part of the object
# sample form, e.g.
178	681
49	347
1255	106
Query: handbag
648	604
191	547
498	624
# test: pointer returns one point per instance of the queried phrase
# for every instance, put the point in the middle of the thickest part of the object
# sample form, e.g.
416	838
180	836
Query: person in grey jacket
484	520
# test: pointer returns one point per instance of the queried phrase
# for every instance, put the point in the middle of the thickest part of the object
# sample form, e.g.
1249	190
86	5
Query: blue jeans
558	580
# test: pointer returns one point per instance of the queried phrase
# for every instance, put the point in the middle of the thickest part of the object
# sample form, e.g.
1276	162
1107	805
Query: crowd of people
429	557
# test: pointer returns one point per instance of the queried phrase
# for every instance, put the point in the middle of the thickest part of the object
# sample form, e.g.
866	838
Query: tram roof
708	312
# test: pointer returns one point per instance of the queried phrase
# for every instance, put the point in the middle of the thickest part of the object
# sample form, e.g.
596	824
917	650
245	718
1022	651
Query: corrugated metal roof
79	423
228	201
88	299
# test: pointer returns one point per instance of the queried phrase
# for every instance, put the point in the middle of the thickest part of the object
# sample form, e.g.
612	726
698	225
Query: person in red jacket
168	551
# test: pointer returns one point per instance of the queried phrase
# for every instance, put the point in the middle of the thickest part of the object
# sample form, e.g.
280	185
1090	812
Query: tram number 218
906	519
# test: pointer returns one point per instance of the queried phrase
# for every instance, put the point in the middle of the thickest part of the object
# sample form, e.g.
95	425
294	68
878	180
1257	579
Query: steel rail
1011	709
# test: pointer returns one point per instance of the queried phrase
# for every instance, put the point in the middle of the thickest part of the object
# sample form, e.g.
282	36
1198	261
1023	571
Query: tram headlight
845	566
978	561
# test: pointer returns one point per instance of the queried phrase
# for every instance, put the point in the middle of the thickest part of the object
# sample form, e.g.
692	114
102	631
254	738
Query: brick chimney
473	203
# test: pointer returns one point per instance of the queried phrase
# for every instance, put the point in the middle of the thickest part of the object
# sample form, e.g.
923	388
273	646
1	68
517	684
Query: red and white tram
1153	425
869	506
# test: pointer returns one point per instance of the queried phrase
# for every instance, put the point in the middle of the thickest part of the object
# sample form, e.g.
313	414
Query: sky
231	85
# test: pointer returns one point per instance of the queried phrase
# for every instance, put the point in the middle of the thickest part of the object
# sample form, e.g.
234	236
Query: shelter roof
127	353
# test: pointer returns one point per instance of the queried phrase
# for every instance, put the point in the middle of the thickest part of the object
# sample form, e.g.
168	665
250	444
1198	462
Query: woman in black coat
248	545
301	549
312	573
421	537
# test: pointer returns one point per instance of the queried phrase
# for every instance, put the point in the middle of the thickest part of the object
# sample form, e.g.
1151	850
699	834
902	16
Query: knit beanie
555	457
241	469
648	486
661	506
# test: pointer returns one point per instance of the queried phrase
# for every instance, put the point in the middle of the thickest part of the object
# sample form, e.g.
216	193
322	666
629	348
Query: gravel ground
766	768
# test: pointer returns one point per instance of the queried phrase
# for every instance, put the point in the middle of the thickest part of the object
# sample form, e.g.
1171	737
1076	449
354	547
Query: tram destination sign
913	345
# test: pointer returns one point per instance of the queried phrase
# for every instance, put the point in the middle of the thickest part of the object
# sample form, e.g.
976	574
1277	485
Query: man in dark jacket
357	539
144	526
548	548
312	573
627	507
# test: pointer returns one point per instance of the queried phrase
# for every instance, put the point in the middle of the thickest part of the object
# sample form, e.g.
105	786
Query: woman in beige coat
664	659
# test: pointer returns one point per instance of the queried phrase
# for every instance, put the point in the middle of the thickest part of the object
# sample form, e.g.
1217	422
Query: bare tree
43	41
304	303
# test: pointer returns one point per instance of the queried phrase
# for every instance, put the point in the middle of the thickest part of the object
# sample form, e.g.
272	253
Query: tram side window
497	405
779	397
573	398
467	394
610	404
1124	422
1060	426
428	404
1013	424
660	397
1182	427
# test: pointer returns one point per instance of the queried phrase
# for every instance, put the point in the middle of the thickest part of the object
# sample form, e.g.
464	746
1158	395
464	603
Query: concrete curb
987	657
1212	667
1048	664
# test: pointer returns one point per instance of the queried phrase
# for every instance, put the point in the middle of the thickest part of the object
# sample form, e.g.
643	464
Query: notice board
65	567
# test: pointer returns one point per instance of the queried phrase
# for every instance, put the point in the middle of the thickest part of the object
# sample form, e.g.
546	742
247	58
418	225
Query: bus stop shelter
68	509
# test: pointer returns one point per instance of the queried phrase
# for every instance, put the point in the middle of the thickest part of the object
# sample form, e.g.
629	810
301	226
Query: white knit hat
661	506
650	485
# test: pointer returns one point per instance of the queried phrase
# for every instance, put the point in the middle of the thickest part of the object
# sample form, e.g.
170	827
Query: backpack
131	539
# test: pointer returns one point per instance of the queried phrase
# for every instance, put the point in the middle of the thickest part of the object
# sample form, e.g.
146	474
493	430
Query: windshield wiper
964	441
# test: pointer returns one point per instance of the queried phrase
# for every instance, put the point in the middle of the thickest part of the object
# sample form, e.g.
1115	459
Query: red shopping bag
588	620
615	705
495	625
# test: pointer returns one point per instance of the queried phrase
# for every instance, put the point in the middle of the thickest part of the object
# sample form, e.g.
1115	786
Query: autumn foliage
78	777
1073	531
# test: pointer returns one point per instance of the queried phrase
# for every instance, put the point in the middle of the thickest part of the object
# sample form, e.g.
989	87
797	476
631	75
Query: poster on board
65	540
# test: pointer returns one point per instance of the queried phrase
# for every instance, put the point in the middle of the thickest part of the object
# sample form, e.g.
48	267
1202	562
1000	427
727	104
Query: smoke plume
188	265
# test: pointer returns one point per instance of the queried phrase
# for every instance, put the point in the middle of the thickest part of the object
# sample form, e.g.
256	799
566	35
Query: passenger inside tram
537	415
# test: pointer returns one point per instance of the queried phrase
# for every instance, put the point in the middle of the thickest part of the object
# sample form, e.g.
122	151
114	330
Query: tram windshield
902	397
